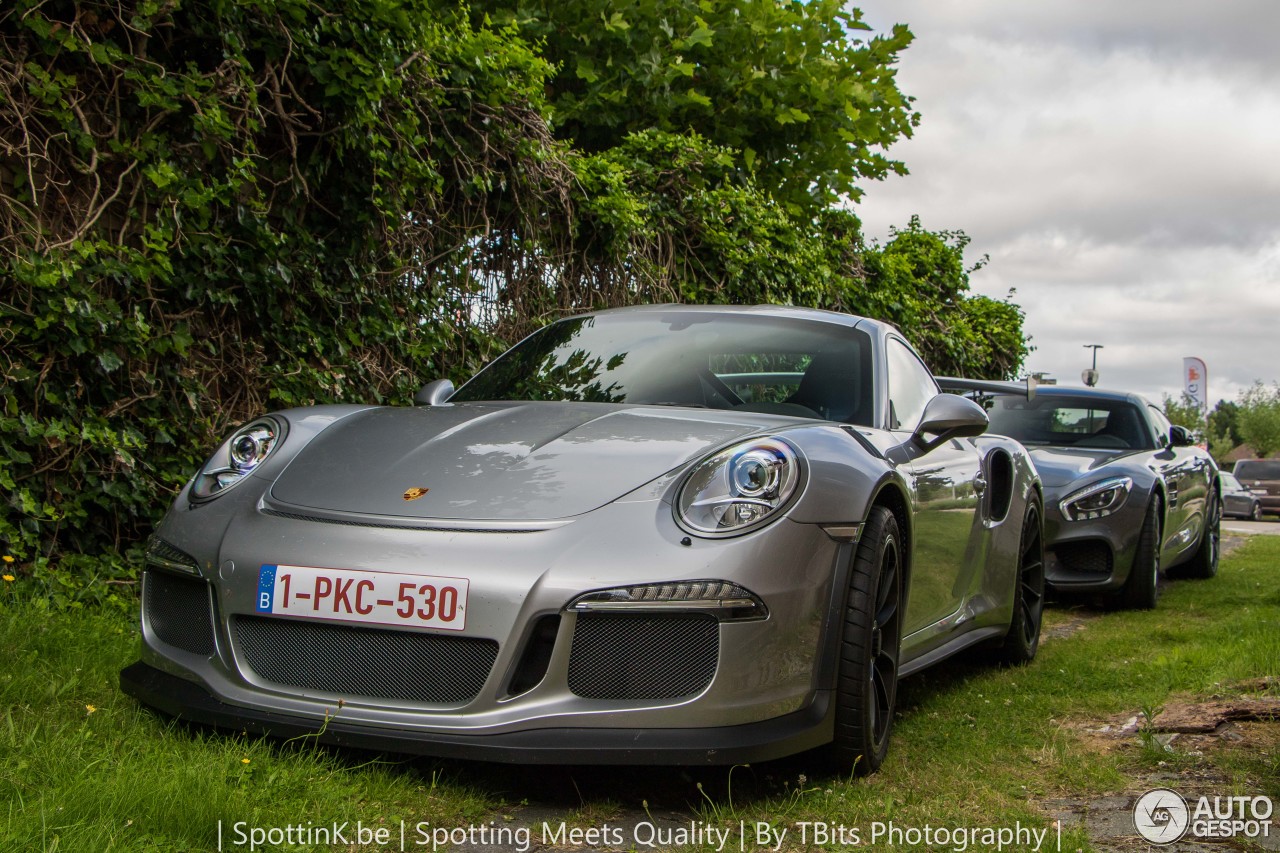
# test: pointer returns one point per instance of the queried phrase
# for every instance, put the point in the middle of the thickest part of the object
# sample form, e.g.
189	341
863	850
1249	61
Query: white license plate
348	595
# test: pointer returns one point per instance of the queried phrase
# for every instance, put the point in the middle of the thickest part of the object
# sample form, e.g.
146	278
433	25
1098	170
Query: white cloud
1118	164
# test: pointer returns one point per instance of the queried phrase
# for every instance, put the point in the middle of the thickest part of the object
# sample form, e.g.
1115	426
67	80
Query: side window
911	386
1162	426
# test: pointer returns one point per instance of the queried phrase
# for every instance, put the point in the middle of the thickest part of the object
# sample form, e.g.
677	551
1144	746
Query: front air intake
643	656
356	661
178	610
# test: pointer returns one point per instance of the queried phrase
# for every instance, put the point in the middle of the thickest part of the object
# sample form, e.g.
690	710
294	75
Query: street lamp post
1090	376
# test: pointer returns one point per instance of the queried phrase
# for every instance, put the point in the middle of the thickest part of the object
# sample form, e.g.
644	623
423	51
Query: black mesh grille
178	611
1091	556
354	660
643	655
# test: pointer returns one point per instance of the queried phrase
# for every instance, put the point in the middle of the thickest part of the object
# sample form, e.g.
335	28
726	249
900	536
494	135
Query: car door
1185	487
946	557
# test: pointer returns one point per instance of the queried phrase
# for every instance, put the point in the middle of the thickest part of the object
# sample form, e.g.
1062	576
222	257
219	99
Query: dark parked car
1263	476
1238	500
1126	493
652	535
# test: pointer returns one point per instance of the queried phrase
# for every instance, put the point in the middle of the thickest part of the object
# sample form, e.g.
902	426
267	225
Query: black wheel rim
885	640
1031	576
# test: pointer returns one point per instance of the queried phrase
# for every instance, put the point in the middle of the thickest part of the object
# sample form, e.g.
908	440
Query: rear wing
987	387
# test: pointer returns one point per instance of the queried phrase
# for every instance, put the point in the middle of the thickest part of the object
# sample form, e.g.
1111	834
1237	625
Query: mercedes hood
1060	466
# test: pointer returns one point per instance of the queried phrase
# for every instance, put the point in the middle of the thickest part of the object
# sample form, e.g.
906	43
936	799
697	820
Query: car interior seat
830	387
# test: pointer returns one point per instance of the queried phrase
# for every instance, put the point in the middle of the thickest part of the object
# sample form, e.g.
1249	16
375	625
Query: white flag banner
1195	380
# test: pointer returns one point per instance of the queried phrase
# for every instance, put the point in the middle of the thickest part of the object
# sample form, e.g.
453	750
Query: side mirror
434	393
1180	436
947	416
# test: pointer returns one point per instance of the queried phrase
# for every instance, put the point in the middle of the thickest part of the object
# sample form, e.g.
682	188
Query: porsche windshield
1071	422
697	359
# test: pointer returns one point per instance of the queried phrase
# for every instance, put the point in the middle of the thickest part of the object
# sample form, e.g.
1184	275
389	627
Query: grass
83	767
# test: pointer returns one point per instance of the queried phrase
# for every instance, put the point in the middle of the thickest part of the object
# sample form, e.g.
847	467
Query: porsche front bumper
762	741
506	691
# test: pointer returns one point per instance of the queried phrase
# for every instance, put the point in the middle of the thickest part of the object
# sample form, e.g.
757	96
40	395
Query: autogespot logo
1161	816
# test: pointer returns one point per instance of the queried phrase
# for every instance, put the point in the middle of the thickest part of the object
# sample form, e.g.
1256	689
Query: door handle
979	485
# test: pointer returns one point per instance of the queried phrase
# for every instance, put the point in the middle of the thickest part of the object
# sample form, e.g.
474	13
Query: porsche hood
498	461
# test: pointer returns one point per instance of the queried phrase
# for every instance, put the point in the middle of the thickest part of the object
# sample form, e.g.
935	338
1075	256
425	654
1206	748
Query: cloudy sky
1120	165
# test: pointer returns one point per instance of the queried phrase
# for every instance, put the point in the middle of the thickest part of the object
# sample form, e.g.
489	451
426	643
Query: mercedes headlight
237	458
739	488
1096	501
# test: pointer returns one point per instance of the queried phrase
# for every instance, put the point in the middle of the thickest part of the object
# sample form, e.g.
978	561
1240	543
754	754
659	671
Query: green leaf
109	361
586	70
701	36
698	98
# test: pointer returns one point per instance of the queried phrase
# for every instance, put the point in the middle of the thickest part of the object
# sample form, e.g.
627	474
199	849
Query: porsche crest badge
414	493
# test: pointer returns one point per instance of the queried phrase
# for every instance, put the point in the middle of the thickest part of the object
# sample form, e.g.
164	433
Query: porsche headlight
237	458
739	488
1096	501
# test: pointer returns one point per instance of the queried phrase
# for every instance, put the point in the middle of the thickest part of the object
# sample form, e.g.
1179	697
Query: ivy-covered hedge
211	208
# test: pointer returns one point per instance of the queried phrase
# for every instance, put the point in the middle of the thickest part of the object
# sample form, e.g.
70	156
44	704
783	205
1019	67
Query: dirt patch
1107	736
1207	717
1230	542
1109	819
1191	731
1266	684
1069	624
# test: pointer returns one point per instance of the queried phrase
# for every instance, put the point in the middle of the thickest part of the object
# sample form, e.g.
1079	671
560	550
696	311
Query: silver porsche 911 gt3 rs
652	535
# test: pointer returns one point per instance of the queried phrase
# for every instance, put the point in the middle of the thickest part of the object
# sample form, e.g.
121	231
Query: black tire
867	688
1023	639
1142	588
1255	514
1204	562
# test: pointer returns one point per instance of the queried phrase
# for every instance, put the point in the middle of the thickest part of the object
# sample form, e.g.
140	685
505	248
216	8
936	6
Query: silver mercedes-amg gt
666	534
